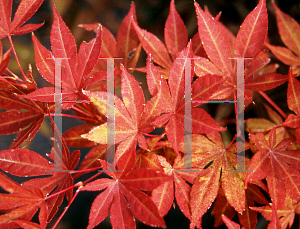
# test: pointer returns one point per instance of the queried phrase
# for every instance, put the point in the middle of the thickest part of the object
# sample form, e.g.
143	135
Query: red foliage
144	183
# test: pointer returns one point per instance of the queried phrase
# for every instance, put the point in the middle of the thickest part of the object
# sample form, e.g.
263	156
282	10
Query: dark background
151	15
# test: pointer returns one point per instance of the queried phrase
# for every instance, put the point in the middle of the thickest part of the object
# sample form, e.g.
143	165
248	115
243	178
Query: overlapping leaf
201	121
286	215
282	167
248	218
126	48
176	39
288	30
75	66
126	185
248	44
27	123
20	204
163	196
132	115
206	186
24	12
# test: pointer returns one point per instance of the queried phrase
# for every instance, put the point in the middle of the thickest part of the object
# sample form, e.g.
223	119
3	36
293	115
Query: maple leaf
248	218
13	120
24	12
174	113
126	184
206	185
60	180
163	196
75	67
132	115
282	167
286	214
73	136
20	204
248	44
176	39
176	36
23	162
91	159
230	224
221	207
258	125
127	47
174	108
293	101
288	30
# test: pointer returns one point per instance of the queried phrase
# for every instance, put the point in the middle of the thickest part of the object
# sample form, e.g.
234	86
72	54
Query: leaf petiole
17	59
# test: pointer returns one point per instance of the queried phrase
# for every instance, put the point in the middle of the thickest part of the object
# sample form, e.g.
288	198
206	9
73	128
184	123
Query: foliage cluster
149	173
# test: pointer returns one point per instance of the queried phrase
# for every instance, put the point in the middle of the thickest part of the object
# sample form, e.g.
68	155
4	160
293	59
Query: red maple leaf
288	29
126	47
230	224
163	196
248	218
293	101
23	162
126	184
176	39
132	115
13	120
24	12
20	205
174	111
206	185
4	59
278	165
76	68
248	44
286	214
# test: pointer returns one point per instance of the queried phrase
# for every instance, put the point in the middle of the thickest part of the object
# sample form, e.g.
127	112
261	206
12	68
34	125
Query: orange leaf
288	29
215	40
293	94
176	36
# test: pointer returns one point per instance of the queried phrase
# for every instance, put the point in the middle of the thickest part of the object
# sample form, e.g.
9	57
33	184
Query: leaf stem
91	178
81	111
6	81
73	116
17	59
73	186
156	148
85	170
273	104
150	135
61	191
14	76
80	184
66	209
92	113
231	142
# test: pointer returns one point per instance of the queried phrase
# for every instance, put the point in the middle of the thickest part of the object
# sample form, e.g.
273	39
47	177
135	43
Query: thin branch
273	104
17	59
73	116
